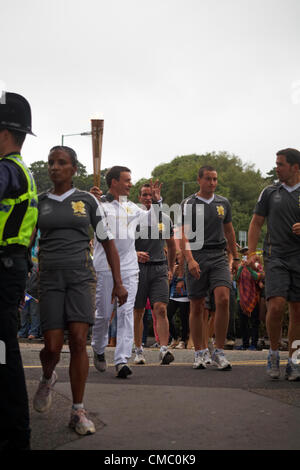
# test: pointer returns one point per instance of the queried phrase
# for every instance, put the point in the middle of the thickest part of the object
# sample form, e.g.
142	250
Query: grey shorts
283	278
67	295
153	283
214	273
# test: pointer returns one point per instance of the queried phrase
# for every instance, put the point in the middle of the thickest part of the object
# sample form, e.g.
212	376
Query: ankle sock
77	406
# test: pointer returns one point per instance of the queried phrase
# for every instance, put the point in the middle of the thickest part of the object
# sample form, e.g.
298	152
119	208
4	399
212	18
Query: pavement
171	408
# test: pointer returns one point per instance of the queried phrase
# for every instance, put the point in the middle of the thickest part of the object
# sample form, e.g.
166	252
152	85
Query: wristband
236	259
251	254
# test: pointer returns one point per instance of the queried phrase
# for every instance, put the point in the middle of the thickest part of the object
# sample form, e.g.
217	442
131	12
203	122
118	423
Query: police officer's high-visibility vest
18	216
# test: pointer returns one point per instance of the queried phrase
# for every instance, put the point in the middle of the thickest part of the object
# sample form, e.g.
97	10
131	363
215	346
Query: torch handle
97	137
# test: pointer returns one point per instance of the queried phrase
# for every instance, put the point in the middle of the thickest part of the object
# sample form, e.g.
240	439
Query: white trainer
80	423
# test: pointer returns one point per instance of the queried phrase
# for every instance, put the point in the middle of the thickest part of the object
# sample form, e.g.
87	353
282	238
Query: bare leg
160	312
196	323
79	364
50	354
138	326
222	315
274	320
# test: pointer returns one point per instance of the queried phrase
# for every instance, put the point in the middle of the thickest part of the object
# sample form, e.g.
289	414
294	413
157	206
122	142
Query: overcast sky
170	77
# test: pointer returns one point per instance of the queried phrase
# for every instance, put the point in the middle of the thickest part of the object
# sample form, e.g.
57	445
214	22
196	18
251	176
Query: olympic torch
97	136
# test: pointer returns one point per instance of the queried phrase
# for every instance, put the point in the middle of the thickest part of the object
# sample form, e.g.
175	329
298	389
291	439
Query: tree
81	180
238	182
39	170
271	176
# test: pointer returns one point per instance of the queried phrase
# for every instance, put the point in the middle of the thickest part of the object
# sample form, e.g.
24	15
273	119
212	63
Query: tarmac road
171	407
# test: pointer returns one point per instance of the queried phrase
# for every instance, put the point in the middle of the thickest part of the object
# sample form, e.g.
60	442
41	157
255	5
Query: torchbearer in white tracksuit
123	217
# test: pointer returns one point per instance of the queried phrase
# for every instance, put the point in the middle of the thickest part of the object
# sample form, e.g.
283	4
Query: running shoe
199	362
80	423
180	345
165	357
207	357
211	345
139	358
122	371
220	361
273	370
174	343
292	372
43	398
100	362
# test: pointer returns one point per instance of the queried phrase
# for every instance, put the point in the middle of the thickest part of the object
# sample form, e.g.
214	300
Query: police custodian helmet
15	113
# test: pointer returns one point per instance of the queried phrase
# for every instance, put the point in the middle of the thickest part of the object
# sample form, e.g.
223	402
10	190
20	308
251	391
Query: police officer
18	216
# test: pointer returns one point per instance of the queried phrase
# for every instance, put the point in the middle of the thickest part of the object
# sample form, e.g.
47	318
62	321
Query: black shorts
214	273
153	283
67	295
283	278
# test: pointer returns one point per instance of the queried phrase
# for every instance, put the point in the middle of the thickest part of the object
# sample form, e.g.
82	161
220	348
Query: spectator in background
179	301
30	313
249	282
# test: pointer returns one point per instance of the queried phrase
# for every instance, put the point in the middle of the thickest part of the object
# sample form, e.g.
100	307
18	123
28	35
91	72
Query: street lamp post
69	135
183	185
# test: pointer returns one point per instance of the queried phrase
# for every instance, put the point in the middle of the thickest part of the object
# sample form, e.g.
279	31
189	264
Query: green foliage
271	176
39	170
238	182
81	180
134	192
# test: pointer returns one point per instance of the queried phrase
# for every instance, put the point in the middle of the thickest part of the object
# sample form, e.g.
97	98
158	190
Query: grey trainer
100	362
42	399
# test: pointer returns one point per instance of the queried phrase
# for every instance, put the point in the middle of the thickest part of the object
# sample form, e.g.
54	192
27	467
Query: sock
273	352
77	406
219	350
163	348
139	350
199	352
44	380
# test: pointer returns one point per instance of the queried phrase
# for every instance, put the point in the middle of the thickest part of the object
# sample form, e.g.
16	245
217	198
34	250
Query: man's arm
231	243
113	259
193	266
255	226
171	256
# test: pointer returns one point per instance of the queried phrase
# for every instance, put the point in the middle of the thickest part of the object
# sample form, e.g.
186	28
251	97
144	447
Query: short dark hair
292	156
17	136
72	154
145	185
114	173
205	168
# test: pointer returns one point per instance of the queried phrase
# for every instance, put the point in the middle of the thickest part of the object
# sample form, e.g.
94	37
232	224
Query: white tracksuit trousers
104	309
